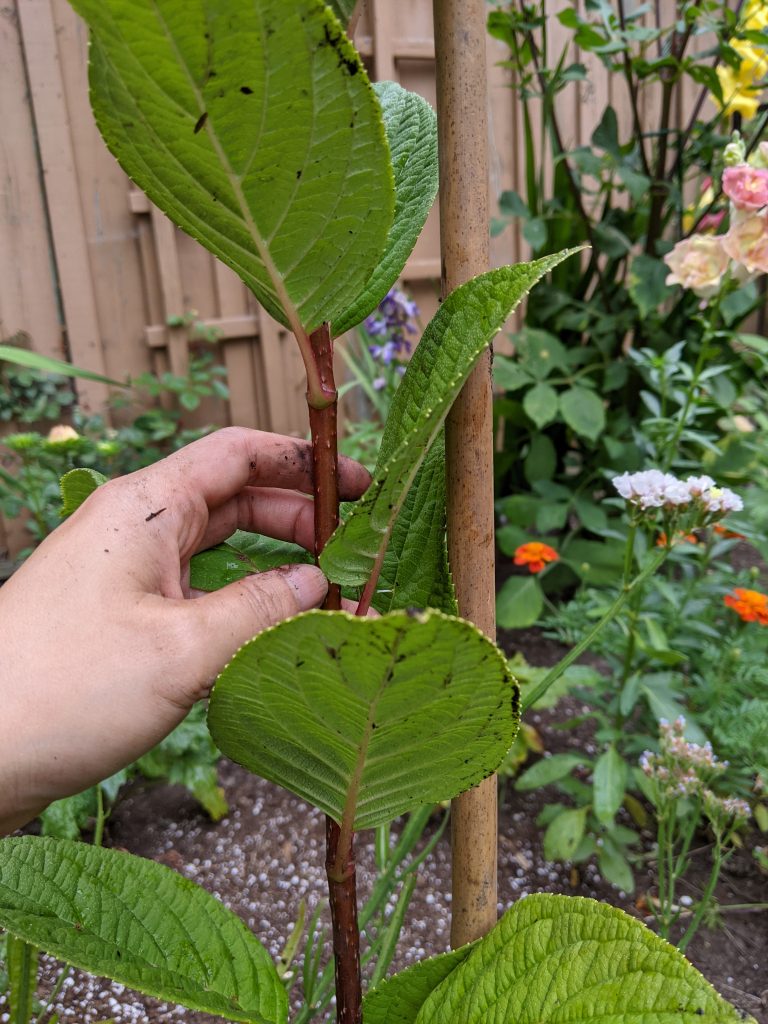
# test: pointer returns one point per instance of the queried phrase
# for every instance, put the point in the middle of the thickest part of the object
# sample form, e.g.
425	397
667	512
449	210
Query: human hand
102	652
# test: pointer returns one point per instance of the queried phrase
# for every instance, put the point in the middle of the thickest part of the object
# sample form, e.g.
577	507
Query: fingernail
308	582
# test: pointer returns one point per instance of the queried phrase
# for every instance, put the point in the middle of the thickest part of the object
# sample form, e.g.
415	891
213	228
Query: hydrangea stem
340	863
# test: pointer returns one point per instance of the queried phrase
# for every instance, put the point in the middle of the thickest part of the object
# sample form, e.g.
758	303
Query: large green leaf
415	573
411	127
557	959
399	999
252	125
140	923
367	718
460	330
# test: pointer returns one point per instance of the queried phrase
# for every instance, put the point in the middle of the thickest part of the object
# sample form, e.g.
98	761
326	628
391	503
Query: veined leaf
559	959
242	555
76	486
399	999
451	345
140	923
252	125
367	718
415	573
411	127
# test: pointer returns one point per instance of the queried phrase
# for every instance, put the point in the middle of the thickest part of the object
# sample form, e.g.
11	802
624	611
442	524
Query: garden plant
254	127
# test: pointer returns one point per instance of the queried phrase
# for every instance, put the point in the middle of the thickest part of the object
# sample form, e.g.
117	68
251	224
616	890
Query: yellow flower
741	89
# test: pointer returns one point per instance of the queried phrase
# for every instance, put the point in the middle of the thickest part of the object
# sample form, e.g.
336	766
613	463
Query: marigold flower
699	263
535	555
749	605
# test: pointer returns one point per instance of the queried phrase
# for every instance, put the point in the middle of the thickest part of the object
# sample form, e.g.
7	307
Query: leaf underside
559	959
451	345
367	718
140	923
411	127
415	573
254	128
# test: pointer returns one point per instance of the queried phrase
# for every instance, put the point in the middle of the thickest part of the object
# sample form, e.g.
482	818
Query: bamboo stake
464	233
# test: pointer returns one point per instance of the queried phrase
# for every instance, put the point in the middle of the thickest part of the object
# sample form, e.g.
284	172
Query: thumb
219	623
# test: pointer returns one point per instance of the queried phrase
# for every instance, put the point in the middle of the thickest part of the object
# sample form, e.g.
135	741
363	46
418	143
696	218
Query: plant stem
706	896
341	872
557	670
340	864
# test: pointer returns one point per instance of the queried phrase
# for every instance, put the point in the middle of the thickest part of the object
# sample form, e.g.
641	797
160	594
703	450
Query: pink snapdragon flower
746	187
699	263
747	242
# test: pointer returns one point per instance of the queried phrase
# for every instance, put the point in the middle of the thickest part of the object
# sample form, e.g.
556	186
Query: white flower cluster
653	489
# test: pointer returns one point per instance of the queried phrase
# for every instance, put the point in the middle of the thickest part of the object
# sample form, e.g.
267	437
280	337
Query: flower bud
735	152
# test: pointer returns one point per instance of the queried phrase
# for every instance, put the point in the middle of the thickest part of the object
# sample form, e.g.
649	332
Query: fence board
63	194
27	283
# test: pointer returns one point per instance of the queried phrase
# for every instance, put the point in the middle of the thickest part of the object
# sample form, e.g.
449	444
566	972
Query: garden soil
268	854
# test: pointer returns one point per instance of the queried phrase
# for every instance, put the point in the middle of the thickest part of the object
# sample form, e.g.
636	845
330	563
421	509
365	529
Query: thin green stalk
392	932
64	973
706	896
556	671
101	817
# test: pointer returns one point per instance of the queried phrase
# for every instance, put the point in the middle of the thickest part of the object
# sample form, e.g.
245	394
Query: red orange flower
725	532
689	538
535	555
749	605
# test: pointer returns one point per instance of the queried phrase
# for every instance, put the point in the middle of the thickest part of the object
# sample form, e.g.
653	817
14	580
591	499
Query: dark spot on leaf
200	122
332	653
298	174
373	725
246	90
299	663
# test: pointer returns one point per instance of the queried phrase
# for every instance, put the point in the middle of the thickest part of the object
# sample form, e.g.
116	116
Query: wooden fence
90	270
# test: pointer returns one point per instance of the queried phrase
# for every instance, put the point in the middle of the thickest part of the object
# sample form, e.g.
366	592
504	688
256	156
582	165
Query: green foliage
411	127
47	365
460	330
76	486
140	923
399	999
295	196
367	718
241	555
560	958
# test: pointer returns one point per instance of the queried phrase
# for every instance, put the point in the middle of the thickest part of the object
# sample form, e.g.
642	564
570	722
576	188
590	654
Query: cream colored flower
699	263
747	242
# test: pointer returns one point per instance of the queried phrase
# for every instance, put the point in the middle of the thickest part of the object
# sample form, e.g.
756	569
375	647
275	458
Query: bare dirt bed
268	854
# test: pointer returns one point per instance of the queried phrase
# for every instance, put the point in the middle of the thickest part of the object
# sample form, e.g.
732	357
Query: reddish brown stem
340	864
340	869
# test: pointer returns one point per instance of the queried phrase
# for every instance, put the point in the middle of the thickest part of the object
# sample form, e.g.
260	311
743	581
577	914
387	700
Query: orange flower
749	605
725	532
535	555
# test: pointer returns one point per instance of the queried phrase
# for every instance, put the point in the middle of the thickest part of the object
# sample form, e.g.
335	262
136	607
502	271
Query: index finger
220	465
